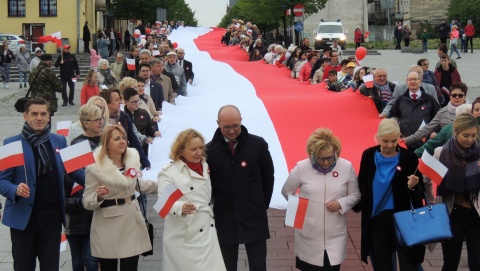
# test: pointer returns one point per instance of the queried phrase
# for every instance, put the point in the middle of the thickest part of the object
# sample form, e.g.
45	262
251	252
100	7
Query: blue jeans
425	45
82	258
453	48
22	75
6	72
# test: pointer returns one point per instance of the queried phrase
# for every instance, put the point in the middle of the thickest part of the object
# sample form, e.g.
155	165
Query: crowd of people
223	202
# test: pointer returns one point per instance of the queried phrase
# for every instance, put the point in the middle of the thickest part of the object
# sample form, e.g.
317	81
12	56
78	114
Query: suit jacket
156	92
18	210
400	89
175	85
187	67
166	83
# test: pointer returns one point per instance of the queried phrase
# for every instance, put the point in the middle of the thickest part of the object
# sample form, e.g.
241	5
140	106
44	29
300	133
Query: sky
208	12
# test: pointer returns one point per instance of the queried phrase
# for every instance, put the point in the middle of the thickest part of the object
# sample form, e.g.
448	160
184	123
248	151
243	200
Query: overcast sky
208	12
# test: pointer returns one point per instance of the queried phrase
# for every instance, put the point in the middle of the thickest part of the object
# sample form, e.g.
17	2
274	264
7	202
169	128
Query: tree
145	10
465	10
178	10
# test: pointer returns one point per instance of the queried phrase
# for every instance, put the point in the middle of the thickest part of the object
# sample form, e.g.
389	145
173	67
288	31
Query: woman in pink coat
307	67
94	57
331	187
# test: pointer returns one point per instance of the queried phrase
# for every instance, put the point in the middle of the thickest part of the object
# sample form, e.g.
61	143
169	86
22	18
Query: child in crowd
90	87
94	57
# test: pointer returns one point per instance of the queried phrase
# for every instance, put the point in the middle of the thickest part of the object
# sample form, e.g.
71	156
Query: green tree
178	10
465	10
145	10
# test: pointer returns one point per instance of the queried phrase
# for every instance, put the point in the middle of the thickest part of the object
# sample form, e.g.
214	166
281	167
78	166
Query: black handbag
20	103
148	224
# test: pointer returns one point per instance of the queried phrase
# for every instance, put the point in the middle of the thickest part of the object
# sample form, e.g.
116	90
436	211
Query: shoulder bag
421	226
148	224
20	103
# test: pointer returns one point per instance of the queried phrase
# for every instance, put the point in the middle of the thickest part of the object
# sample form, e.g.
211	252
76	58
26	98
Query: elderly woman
79	219
106	76
331	187
118	227
189	236
23	64
460	191
117	66
388	179
127	82
76	129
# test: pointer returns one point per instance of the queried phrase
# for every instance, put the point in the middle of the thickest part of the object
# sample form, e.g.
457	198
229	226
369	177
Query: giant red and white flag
63	242
77	156
11	155
296	211
63	127
166	200
54	38
432	168
130	64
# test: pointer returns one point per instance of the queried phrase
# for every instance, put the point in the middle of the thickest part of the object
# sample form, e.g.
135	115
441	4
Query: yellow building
35	18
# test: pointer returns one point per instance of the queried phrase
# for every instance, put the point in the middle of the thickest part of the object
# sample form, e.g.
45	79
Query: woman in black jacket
388	179
6	57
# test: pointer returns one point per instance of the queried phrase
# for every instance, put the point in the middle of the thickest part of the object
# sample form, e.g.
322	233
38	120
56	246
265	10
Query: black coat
407	165
69	68
242	187
8	58
187	67
156	92
133	141
86	33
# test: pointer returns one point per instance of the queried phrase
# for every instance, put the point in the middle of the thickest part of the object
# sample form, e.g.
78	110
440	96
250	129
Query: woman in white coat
189	236
331	187
118	228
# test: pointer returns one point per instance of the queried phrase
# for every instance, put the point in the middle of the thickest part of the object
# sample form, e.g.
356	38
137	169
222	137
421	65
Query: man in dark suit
152	88
186	65
35	206
241	170
86	38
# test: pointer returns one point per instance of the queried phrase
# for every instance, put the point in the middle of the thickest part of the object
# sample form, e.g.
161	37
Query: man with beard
68	69
186	65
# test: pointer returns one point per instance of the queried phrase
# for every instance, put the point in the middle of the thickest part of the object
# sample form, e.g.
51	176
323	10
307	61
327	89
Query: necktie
414	97
231	144
180	63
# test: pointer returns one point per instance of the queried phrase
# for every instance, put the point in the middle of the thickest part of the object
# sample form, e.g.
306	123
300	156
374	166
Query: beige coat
166	83
117	231
190	242
322	229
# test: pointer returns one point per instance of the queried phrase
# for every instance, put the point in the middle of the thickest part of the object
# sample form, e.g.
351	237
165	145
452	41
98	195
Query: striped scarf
38	141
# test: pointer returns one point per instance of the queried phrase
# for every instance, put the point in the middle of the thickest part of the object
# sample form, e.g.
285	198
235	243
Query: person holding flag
35	206
388	180
331	187
118	231
460	189
190	226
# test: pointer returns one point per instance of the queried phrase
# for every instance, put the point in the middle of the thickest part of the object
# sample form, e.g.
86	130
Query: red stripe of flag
168	205
166	200
301	212
79	162
432	168
15	160
77	156
76	187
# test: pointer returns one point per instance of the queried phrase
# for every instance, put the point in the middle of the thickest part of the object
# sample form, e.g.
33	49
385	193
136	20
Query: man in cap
44	83
36	60
68	71
172	66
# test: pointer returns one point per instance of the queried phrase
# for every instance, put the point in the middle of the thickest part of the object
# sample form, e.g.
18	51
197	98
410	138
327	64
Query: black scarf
463	176
39	141
108	77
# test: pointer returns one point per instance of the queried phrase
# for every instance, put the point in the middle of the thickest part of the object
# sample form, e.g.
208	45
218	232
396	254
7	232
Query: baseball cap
66	46
38	49
351	65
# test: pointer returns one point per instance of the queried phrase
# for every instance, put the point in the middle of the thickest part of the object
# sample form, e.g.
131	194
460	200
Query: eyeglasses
412	79
459	95
99	120
135	102
326	159
227	128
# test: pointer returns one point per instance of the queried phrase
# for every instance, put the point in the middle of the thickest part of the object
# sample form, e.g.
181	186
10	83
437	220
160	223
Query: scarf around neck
108	77
463	176
451	108
198	168
319	168
39	141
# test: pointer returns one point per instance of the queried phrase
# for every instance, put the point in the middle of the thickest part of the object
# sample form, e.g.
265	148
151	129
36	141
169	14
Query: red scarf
198	168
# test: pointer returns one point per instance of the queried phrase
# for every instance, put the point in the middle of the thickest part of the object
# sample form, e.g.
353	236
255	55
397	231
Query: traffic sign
298	10
298	26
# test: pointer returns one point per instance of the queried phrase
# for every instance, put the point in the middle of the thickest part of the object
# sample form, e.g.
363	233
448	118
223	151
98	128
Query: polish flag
432	168
63	127
131	64
296	211
54	38
11	155
368	80
166	200
63	242
76	187
77	156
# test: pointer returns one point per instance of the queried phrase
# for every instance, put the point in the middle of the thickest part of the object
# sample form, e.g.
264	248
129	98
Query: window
16	7
48	7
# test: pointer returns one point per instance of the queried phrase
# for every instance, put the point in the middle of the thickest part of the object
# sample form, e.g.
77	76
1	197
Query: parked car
12	39
327	31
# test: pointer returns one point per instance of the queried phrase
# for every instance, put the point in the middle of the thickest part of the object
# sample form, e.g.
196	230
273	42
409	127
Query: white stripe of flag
63	127
166	200
432	168
11	155
77	156
296	211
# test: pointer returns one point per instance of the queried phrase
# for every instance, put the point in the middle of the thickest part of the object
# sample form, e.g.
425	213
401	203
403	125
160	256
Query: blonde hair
464	122
105	139
181	142
88	77
127	82
106	113
89	112
321	139
388	126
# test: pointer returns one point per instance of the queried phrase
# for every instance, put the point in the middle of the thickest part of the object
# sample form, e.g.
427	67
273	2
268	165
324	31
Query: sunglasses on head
460	95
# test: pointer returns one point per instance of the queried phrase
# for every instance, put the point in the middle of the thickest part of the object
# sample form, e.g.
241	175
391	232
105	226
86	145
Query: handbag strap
33	82
428	205
144	213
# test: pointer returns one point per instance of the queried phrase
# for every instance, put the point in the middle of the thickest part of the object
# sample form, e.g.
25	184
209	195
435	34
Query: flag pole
25	171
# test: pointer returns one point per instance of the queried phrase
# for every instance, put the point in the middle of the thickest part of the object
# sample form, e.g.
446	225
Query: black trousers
399	44
256	253
304	266
68	98
41	238
471	43
126	264
86	44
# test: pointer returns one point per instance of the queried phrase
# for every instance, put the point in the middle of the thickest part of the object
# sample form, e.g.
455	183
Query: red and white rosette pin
131	172
335	174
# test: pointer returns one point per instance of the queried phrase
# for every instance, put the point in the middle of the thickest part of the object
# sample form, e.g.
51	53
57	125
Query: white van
327	31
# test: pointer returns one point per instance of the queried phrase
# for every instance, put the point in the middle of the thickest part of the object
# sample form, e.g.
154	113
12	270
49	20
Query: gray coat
179	74
23	61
